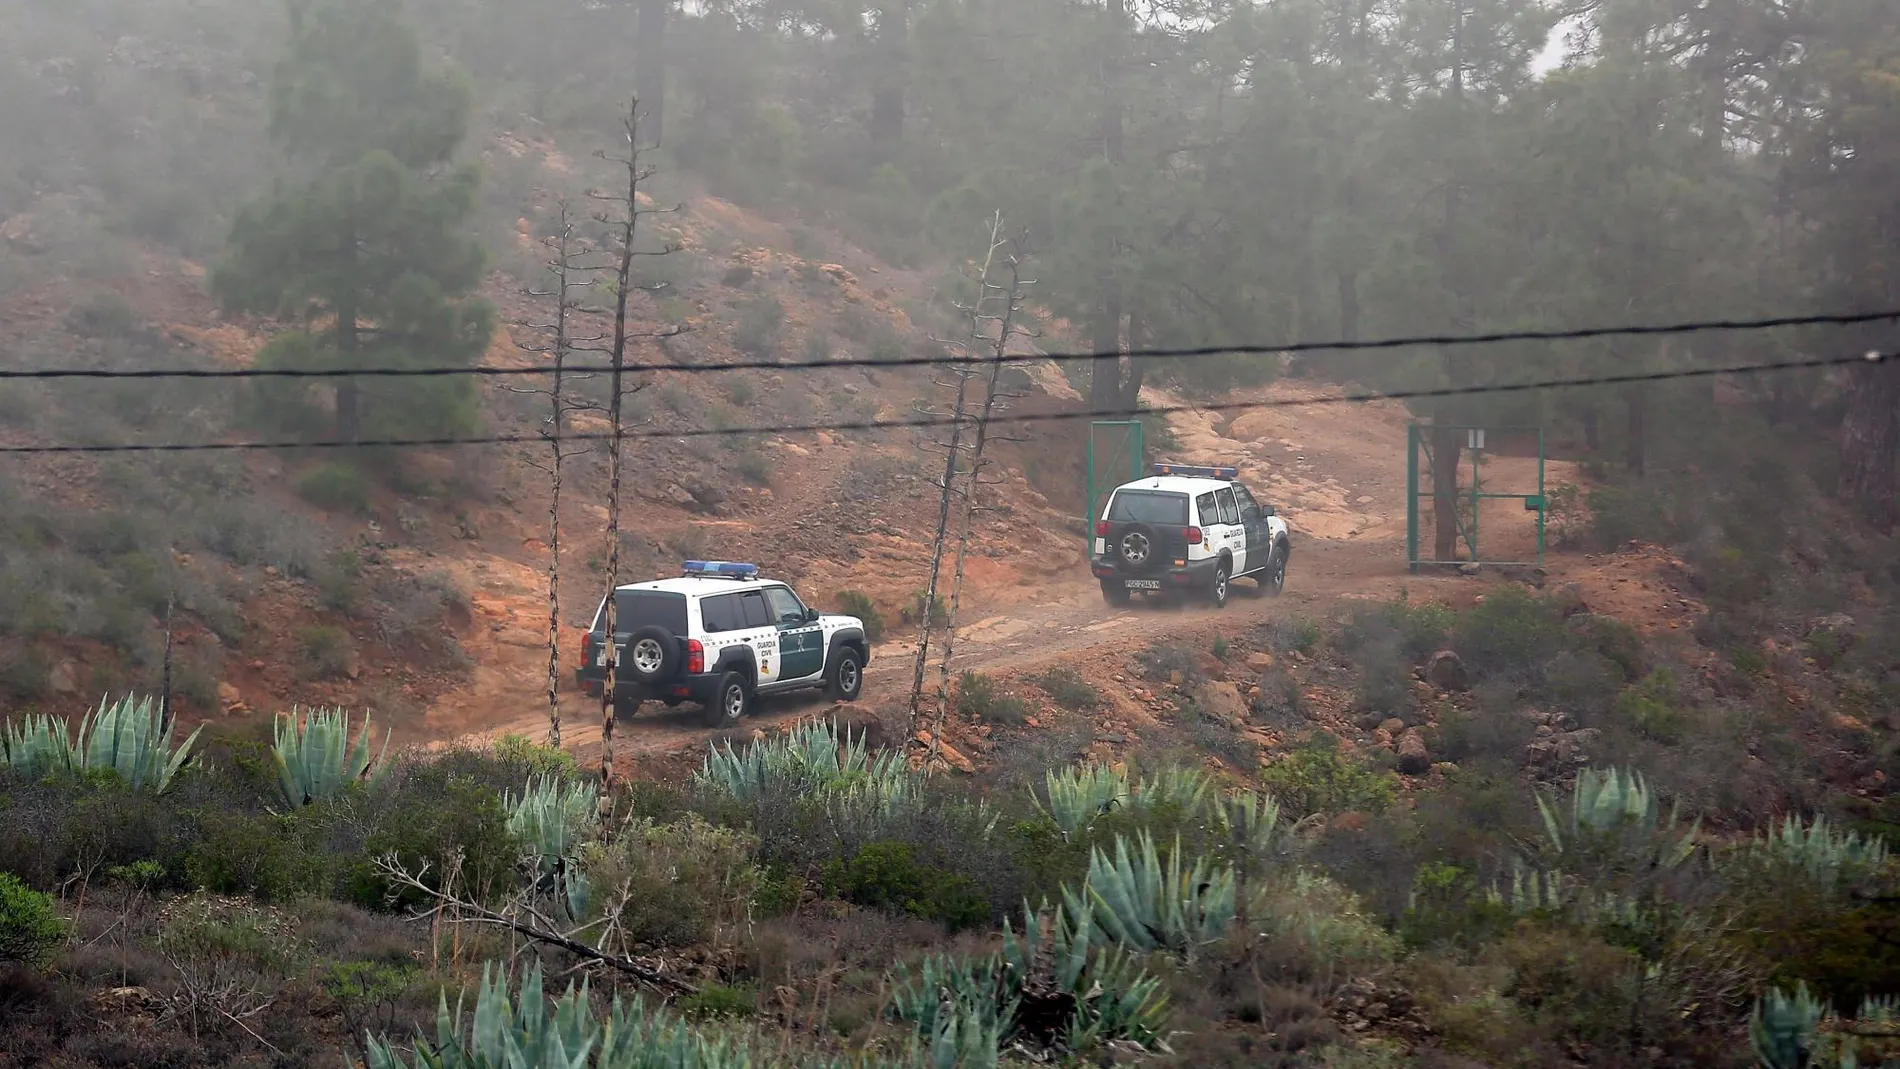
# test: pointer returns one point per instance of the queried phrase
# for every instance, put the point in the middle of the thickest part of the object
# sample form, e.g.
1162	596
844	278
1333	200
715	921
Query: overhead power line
939	421
1495	338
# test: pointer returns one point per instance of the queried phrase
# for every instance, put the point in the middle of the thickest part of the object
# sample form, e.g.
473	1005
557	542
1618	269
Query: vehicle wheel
731	700
670	703
1274	580
1114	593
1218	592
626	707
847	676
652	654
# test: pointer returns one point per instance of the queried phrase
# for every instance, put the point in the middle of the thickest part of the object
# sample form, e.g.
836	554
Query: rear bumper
686	688
1192	575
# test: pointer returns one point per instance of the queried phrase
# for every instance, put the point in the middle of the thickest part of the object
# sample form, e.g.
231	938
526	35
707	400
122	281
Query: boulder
1569	599
64	678
1446	671
1260	662
1393	726
1221	701
1414	758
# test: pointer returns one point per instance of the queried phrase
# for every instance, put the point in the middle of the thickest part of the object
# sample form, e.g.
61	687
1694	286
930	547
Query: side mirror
1268	511
811	615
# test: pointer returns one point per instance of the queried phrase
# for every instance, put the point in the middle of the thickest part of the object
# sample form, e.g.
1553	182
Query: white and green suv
720	636
1188	528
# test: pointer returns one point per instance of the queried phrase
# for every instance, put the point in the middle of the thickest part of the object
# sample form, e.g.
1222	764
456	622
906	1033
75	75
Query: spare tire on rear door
1135	546
653	654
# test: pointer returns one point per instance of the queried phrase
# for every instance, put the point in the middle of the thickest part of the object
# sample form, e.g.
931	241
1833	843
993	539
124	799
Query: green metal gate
1469	498
1116	456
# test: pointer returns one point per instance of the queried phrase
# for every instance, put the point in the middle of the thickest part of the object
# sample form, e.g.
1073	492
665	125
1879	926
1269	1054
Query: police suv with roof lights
720	636
1188	528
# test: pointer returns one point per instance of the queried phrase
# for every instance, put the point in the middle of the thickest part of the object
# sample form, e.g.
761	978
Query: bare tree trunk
1447	445
649	65
1870	434
349	416
1105	336
623	276
1636	445
992	392
887	98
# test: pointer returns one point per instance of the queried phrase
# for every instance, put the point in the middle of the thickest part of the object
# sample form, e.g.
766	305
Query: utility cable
939	421
1495	338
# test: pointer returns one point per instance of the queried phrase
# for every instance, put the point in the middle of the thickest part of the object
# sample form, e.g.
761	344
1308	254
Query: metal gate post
1411	496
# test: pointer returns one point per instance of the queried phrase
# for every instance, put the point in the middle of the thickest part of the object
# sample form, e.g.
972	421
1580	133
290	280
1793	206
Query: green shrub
337	486
269	857
741	392
757	325
977	697
1625	513
754	467
426	814
1066	687
684	881
886	875
857	603
29	925
1316	776
540	759
927	606
327	651
1650	706
1512	632
103	314
716	1002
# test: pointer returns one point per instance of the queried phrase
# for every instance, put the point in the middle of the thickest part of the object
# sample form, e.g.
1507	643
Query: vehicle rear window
1149	506
634	609
752	604
721	613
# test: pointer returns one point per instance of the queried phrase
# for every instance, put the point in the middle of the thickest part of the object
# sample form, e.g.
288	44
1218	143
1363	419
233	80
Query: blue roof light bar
1197	471
722	569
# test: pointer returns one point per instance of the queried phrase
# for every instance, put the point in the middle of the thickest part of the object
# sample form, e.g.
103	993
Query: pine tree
364	244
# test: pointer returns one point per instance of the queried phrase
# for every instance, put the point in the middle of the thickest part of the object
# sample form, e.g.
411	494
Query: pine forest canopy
1192	172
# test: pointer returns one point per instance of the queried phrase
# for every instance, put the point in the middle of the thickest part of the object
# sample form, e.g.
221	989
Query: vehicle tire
1217	591
626	707
671	703
1273	580
1115	593
1135	547
731	700
652	654
847	675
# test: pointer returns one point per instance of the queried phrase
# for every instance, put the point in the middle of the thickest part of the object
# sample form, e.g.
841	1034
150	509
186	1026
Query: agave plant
1112	996
314	756
1074	797
552	818
811	759
1613	802
946	990
1825	854
1782	1029
531	1034
1138	902
38	745
1183	790
133	738
1249	823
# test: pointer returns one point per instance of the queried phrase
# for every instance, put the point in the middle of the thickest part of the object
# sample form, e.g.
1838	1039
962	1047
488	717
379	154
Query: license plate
1142	584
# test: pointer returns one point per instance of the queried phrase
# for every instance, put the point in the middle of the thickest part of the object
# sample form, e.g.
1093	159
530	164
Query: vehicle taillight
587	649
1193	535
1101	528
695	657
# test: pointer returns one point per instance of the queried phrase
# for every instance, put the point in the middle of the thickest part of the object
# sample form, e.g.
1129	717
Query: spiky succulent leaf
314	756
1782	1029
132	737
552	818
1074	797
1823	853
1141	903
38	745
